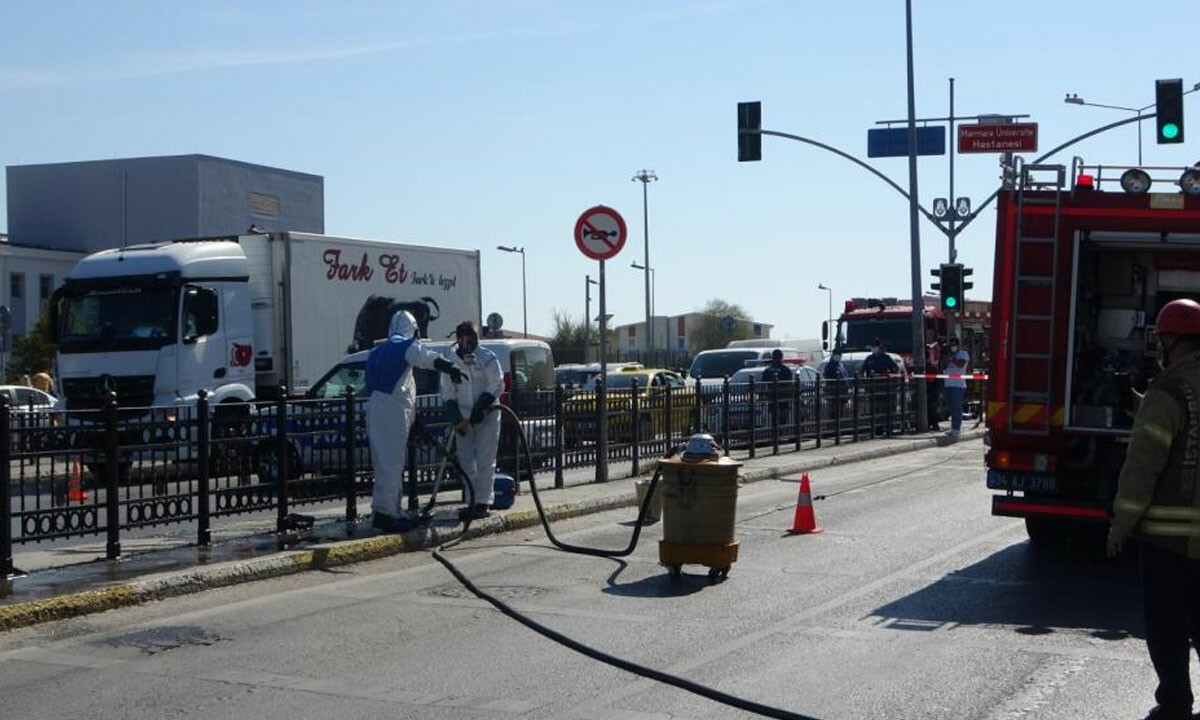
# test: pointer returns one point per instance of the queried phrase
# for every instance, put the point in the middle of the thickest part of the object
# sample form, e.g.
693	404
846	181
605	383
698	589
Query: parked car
743	414
319	440
580	415
582	376
22	397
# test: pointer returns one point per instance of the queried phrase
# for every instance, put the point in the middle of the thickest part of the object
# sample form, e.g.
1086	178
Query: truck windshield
896	334
114	319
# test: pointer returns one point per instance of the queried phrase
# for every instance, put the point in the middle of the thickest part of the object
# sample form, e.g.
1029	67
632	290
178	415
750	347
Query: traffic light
937	273
951	286
967	284
1168	108
749	125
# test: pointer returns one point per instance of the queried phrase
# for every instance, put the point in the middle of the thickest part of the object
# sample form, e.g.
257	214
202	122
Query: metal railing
113	470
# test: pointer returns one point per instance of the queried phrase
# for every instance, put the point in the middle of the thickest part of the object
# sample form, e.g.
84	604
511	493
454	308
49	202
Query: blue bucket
505	489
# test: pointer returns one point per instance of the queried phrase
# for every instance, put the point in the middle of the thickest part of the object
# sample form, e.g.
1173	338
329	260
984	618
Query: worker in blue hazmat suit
391	407
470	406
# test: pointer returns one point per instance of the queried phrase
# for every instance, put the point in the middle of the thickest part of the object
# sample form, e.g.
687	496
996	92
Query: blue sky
473	123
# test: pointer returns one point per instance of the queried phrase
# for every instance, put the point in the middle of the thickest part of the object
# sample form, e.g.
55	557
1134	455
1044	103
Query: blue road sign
893	141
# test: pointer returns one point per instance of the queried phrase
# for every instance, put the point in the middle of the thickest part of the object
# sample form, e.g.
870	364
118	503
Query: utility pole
914	229
950	231
645	177
587	317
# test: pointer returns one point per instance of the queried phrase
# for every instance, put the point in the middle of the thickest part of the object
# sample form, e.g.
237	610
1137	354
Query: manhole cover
504	592
165	639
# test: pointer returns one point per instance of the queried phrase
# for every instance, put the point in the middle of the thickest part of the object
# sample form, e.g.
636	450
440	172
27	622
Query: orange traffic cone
75	491
805	521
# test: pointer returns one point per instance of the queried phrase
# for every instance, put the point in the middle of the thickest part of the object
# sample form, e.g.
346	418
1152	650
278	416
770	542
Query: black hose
620	663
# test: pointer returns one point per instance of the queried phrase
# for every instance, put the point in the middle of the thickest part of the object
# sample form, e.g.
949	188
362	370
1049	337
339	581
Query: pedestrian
42	381
391	408
957	362
933	365
878	365
776	370
1157	499
834	369
478	431
775	374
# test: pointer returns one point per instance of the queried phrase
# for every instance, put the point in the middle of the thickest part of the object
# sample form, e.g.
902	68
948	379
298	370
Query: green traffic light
951	302
1170	131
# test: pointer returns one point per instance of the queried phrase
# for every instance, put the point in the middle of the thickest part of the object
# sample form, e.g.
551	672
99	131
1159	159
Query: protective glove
479	412
453	412
445	366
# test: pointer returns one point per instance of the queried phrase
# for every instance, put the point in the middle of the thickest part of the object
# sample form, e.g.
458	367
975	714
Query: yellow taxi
653	386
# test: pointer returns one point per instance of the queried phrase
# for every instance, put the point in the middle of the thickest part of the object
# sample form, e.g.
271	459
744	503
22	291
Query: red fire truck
1083	264
888	319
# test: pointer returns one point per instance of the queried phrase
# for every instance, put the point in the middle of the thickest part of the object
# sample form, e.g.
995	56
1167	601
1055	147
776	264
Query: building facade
103	204
671	334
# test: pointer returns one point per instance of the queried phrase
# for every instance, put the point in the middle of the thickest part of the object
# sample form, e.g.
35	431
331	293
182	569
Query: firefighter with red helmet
1157	498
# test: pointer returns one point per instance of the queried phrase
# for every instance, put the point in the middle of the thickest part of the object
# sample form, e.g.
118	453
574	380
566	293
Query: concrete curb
346	552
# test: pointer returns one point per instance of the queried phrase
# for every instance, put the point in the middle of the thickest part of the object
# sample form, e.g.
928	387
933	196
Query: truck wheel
1045	533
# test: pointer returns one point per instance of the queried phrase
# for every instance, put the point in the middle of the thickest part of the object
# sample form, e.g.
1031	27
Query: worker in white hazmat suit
470	408
391	407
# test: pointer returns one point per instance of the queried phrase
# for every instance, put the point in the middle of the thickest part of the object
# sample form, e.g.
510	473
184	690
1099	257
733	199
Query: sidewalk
59	586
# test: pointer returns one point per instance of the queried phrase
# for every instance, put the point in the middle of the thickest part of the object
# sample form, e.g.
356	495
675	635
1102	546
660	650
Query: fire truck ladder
1030	411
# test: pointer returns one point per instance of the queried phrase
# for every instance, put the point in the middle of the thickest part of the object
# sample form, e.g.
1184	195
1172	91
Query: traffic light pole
914	230
952	317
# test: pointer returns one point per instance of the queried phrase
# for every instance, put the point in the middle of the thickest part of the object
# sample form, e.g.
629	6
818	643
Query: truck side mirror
824	334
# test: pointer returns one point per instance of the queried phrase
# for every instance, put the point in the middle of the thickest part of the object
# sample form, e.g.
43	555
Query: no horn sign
600	232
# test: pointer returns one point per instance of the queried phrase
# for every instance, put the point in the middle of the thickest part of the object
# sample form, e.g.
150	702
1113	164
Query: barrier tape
954	376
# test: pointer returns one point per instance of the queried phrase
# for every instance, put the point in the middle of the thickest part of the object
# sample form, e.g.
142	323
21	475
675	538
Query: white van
811	349
710	367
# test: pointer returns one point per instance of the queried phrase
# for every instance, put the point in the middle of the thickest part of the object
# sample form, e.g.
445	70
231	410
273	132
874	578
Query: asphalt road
914	603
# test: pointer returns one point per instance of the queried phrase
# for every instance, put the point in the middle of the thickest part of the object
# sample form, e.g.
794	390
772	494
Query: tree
571	337
708	331
33	352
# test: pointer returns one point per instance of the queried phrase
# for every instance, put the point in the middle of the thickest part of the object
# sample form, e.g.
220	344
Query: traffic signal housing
1168	109
951	286
749	127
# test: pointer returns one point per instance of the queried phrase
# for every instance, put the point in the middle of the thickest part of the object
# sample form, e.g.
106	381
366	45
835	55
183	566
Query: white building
671	333
28	277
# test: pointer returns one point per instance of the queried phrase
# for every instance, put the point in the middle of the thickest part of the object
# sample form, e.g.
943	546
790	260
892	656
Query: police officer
834	370
777	370
878	364
1157	499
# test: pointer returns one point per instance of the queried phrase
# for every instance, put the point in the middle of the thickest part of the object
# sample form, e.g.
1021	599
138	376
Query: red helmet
1179	317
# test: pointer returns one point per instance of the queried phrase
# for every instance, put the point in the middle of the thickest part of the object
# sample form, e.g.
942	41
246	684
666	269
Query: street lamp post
1074	99
587	317
524	305
645	177
653	301
821	286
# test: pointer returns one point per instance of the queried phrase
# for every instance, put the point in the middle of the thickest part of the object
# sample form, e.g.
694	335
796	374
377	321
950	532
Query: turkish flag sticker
242	355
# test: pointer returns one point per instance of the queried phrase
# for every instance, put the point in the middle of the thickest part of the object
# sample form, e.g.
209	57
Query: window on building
45	289
16	286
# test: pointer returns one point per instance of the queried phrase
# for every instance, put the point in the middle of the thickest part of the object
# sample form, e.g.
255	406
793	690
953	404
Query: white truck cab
156	323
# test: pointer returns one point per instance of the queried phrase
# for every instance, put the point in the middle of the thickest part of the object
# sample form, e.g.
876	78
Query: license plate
1025	482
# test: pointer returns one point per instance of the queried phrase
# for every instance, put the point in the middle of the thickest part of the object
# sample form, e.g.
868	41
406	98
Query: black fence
105	471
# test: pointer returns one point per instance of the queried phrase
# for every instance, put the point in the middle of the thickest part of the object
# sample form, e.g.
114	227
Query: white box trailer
242	316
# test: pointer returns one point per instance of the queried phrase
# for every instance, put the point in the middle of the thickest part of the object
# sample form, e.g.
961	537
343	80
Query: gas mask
467	340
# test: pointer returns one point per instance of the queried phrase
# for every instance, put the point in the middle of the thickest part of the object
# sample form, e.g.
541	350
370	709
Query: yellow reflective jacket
1156	492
